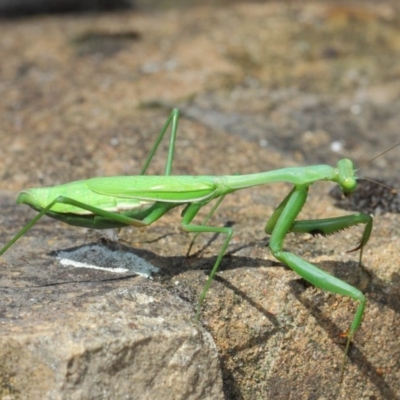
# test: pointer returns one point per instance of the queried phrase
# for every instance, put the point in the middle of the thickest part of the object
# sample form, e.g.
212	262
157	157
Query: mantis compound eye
348	185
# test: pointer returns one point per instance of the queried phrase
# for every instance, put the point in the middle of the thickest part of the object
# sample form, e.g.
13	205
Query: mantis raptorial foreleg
329	226
283	222
324	226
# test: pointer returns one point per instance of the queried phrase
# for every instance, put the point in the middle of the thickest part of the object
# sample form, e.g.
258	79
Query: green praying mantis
122	201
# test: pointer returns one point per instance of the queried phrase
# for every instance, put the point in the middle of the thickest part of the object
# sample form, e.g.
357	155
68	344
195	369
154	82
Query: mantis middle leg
188	215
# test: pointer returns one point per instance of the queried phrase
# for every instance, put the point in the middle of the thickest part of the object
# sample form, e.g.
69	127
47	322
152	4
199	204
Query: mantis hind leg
120	219
189	213
173	120
284	222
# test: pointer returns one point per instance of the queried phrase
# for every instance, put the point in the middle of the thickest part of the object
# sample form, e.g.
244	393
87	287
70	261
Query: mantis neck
295	175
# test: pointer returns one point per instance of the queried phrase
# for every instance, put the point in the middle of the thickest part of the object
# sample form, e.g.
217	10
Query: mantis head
346	176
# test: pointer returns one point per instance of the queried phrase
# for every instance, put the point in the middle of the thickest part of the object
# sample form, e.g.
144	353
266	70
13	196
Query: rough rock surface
123	340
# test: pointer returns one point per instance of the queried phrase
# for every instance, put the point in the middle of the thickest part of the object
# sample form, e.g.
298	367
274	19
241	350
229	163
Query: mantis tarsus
116	202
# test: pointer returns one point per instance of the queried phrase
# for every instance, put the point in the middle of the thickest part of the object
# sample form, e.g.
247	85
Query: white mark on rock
102	258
